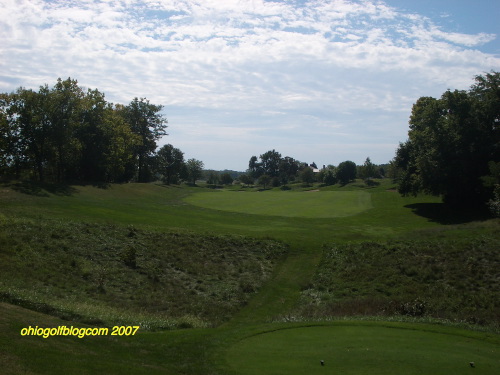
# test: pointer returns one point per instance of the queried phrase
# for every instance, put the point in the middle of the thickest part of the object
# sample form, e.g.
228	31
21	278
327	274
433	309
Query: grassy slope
155	208
106	273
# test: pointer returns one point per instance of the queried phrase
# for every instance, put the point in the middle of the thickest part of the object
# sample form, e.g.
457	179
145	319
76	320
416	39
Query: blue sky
320	80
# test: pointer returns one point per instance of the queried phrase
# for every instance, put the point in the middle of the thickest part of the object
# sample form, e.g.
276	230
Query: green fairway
310	204
363	349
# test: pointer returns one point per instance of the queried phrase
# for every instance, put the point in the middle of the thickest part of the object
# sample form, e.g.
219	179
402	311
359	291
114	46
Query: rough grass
311	204
108	274
444	276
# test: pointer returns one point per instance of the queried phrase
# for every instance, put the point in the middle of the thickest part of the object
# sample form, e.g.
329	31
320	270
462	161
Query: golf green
362	350
310	204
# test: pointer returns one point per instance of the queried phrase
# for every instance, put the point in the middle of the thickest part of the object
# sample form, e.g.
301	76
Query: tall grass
443	276
106	274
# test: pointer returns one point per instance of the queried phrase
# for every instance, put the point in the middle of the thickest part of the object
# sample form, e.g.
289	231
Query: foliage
328	175
494	203
451	141
307	175
212	177
450	278
63	134
288	169
272	164
146	122
368	170
165	275
264	180
246	179
346	172
194	170
226	179
170	164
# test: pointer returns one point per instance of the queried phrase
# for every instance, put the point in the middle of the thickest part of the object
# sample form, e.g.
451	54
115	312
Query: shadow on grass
443	214
43	189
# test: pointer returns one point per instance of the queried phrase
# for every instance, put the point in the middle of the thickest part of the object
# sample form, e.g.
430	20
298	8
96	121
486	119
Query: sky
321	81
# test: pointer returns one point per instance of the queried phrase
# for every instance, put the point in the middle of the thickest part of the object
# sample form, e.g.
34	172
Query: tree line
66	134
271	169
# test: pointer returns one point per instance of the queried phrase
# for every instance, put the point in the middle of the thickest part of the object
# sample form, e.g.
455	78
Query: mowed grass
358	349
308	204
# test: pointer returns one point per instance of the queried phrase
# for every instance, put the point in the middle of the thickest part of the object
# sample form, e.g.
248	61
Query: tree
226	179
288	169
346	172
493	181
264	180
393	171
26	132
9	136
368	170
213	177
254	167
170	162
194	170
328	175
44	128
64	113
147	122
450	143
107	142
65	134
270	162
307	175
245	179
281	170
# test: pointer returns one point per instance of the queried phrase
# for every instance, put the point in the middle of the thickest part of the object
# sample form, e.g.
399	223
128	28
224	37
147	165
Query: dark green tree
6	136
288	169
170	163
450	143
254	167
346	172
107	142
149	124
368	170
213	177
27	132
270	162
194	170
246	179
265	180
307	175
328	175
64	111
226	179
